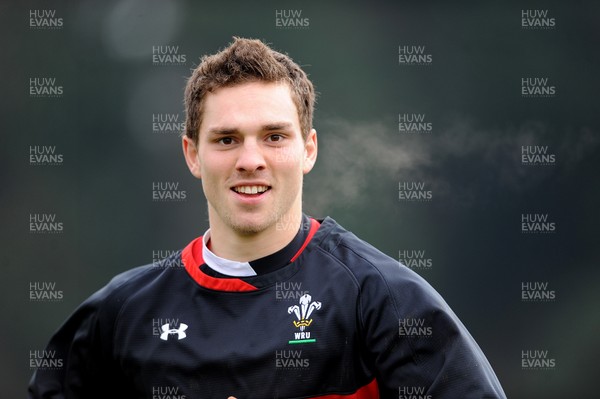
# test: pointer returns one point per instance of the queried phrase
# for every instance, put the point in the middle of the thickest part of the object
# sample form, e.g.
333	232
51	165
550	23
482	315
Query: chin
248	226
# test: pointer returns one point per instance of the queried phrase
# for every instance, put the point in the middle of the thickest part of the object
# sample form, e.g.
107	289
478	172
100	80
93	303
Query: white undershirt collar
222	265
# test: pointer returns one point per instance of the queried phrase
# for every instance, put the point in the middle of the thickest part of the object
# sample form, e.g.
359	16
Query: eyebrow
277	126
268	127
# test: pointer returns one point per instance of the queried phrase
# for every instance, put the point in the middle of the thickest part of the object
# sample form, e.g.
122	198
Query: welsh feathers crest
303	311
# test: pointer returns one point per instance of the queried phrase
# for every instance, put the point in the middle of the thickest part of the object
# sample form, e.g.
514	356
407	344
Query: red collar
192	259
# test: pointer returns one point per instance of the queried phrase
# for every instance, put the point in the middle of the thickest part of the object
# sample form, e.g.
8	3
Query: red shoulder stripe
369	391
314	226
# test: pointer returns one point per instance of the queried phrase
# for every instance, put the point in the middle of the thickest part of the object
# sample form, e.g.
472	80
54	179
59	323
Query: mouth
251	190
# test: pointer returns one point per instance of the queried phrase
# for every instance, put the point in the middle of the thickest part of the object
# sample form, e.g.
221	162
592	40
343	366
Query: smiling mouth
251	190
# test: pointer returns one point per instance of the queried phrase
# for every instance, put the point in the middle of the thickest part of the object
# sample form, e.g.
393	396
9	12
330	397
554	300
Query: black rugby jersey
339	320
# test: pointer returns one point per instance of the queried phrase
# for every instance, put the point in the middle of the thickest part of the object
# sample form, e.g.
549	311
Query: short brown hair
246	60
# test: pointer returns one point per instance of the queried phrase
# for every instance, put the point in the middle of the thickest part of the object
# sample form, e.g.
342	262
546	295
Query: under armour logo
169	331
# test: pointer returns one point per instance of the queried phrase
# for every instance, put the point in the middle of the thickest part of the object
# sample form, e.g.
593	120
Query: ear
190	152
310	151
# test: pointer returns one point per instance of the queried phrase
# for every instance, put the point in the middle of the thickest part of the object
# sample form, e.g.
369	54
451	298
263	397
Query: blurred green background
102	56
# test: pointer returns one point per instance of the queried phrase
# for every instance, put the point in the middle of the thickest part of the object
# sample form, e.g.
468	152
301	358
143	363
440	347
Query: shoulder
374	271
358	255
127	284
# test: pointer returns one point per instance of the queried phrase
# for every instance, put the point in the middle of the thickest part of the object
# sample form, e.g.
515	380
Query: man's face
251	157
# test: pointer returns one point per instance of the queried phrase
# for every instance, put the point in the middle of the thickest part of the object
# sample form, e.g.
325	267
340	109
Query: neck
233	245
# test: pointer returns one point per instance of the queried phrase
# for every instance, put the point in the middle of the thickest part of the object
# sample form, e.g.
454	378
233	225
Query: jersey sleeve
84	346
416	344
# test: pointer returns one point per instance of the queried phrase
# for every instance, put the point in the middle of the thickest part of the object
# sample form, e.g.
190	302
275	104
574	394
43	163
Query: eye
225	140
275	138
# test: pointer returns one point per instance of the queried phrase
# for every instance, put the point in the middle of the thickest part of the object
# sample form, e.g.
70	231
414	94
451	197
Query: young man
271	303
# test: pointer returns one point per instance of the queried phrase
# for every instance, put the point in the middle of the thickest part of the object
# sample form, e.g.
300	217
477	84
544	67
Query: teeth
250	189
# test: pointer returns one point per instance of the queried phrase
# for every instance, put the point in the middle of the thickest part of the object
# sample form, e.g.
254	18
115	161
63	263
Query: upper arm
415	341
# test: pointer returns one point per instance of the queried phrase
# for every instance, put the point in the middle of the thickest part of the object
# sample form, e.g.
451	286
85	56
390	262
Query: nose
250	157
